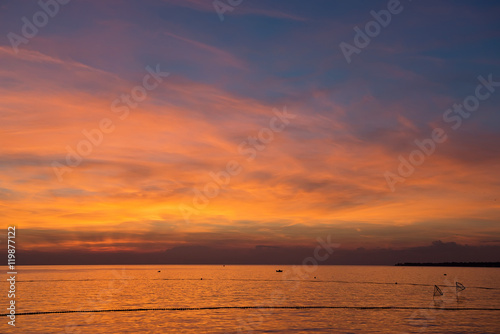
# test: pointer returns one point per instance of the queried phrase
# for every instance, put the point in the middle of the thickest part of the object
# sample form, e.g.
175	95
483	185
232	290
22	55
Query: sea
251	299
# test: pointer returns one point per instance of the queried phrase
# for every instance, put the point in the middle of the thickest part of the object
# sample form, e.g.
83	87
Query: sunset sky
263	92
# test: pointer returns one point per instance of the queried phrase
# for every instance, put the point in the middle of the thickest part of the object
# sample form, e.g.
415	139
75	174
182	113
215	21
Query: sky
193	129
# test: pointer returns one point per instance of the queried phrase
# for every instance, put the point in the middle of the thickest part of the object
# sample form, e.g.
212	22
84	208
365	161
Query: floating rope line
262	307
252	280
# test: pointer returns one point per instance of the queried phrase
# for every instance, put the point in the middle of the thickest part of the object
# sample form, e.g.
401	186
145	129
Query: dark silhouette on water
451	264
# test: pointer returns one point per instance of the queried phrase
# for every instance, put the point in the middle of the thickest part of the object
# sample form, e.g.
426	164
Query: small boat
279	271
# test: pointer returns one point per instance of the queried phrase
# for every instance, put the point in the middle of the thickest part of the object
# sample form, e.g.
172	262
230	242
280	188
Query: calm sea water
62	288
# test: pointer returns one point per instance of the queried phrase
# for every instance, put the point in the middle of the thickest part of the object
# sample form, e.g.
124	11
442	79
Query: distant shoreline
450	264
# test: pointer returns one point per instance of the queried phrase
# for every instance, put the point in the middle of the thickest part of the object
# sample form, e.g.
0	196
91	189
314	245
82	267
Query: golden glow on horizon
133	183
